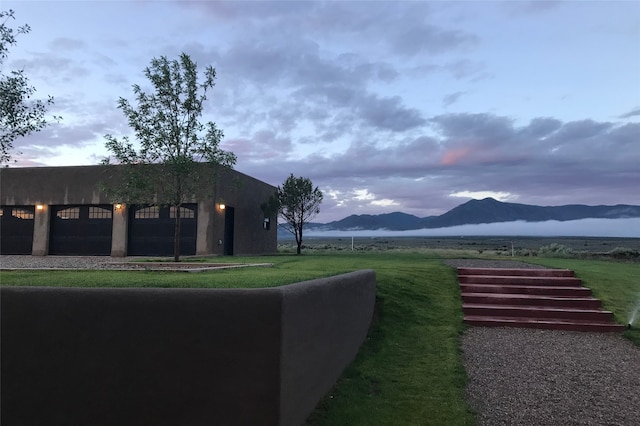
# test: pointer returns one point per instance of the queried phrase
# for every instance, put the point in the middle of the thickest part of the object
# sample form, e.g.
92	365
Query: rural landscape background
489	217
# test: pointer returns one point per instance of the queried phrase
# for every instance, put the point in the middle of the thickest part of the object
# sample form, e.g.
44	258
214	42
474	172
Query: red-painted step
555	324
527	272
524	289
536	311
519	280
532	298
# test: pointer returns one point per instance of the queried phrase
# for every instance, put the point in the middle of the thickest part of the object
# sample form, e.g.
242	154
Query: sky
412	106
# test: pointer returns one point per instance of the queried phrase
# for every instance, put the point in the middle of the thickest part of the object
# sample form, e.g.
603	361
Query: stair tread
518	270
530	308
535	319
524	321
568	287
523	289
513	269
521	277
531	296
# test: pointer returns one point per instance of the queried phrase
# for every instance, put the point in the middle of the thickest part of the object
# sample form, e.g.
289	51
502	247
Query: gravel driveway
59	262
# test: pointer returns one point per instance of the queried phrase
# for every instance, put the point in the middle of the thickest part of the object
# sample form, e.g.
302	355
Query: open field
522	246
410	369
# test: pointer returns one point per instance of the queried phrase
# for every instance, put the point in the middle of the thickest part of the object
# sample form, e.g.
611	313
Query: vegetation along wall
178	356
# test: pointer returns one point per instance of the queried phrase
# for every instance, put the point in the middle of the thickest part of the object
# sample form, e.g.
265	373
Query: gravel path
106	262
548	377
59	262
520	376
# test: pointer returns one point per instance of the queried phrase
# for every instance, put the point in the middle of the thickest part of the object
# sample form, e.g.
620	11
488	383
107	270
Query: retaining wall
178	356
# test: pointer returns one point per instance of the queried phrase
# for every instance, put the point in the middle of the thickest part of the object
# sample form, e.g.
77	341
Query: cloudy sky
412	106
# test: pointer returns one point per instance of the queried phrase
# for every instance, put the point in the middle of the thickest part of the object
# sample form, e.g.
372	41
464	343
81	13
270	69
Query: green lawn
410	370
617	284
285	270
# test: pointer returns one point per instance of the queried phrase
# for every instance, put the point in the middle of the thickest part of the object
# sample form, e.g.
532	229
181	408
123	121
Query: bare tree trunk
176	237
299	240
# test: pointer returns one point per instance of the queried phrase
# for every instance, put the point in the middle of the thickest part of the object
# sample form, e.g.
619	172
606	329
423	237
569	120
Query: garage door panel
81	230
16	229
152	229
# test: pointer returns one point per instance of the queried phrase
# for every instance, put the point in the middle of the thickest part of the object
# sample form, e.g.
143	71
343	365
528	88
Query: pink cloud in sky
453	156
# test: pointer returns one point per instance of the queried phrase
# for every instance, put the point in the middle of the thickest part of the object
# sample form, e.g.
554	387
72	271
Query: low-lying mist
624	228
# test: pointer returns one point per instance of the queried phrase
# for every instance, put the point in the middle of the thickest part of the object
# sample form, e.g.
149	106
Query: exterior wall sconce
118	206
222	206
39	207
266	224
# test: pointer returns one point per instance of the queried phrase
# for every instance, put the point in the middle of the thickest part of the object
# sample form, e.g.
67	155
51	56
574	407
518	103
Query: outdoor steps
532	298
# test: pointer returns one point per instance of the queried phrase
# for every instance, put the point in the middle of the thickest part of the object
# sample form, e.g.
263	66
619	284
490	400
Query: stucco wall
178	356
53	185
323	326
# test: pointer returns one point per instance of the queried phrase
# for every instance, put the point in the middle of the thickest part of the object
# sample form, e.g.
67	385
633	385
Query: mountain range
487	210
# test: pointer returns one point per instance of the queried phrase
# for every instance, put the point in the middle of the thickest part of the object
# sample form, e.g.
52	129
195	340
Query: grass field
616	284
410	369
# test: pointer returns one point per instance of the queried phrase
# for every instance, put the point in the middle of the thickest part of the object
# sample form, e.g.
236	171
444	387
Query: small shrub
624	253
555	250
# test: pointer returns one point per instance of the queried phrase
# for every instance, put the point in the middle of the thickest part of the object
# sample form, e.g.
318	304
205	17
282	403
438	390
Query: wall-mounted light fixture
39	207
222	206
266	223
118	206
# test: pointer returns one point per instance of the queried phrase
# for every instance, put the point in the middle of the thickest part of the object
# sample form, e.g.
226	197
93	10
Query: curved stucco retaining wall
178	356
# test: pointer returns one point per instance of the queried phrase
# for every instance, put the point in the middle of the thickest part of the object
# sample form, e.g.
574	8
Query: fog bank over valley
623	228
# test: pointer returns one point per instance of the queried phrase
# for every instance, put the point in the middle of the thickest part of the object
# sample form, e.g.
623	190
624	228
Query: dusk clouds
387	106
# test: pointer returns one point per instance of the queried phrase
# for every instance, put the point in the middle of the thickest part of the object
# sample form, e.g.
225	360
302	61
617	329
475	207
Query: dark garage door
16	229
81	230
151	230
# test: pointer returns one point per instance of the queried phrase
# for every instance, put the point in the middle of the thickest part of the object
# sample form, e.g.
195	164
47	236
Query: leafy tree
297	202
178	156
19	114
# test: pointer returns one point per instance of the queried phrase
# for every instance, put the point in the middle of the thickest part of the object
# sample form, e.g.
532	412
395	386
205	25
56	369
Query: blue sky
410	106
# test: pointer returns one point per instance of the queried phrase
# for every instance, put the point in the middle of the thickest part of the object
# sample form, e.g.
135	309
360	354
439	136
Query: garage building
63	211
